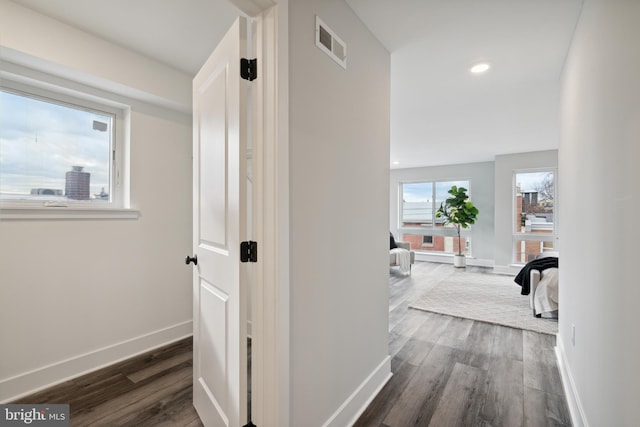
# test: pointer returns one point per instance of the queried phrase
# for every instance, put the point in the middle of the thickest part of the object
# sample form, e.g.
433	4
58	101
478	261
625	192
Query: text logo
15	414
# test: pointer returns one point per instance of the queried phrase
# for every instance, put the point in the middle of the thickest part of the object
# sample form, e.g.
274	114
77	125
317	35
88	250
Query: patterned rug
485	297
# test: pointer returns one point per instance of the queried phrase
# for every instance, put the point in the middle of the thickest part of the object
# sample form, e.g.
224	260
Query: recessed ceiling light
480	67
396	163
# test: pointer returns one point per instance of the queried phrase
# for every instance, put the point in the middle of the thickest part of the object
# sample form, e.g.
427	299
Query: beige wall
339	181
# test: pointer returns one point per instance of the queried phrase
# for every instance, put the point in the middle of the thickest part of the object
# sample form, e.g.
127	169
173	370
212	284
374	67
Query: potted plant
459	211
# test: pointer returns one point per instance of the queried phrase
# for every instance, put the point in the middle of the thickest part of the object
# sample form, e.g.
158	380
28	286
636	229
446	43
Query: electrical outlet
573	334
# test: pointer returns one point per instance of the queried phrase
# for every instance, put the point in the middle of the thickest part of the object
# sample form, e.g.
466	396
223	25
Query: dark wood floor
458	372
447	372
153	389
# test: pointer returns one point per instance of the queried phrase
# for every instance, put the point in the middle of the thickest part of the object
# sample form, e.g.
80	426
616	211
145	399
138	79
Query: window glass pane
437	244
534	196
442	193
417	204
526	250
52	151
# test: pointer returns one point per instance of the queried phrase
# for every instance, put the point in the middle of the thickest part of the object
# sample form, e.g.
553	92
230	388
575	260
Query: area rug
485	297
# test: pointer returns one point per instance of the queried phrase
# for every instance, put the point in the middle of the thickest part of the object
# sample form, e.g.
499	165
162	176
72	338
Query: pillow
392	241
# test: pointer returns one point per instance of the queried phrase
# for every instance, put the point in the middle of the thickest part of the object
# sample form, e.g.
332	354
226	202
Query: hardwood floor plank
195	423
418	400
396	342
479	345
388	396
85	400
135	401
414	352
456	333
540	366
399	288
459	404
503	402
152	357
545	409
172	410
403	366
156	368
403	331
508	343
433	327
412	320
75	390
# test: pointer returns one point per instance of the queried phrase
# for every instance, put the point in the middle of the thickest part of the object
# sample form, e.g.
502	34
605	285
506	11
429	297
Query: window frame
519	236
119	205
428	244
433	230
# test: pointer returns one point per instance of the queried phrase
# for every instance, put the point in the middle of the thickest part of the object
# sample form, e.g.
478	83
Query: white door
219	225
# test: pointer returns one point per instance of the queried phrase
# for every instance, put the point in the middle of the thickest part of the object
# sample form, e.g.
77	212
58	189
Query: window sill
65	213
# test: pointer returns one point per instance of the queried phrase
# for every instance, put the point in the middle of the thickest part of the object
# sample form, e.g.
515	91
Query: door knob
193	259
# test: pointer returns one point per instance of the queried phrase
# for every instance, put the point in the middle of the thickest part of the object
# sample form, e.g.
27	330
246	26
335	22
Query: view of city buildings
534	217
77	186
52	151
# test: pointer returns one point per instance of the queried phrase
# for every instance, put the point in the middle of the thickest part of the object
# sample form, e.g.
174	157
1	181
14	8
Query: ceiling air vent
328	42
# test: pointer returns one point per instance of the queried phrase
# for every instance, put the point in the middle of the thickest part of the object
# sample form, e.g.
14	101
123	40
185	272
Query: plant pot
459	261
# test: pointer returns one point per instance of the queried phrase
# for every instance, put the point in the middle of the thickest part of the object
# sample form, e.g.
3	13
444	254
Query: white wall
599	175
481	177
505	165
33	38
78	294
339	180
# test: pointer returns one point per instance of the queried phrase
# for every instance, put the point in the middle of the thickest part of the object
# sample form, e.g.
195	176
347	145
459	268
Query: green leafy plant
458	210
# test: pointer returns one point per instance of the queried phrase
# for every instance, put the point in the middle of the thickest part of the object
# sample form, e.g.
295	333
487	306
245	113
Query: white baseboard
13	388
448	259
578	418
510	270
355	405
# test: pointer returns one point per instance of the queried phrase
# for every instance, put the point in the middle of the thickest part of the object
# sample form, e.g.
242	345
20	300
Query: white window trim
534	237
119	207
431	230
65	213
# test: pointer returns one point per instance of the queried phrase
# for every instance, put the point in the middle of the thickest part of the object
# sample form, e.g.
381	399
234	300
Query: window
421	200
534	226
419	226
57	150
417	204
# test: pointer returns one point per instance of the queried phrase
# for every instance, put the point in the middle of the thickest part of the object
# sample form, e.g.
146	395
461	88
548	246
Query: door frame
270	397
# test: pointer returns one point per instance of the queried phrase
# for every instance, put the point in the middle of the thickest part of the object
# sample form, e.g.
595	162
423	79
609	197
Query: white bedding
545	298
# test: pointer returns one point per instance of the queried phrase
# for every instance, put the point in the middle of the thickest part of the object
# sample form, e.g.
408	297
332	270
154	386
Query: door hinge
249	251
248	68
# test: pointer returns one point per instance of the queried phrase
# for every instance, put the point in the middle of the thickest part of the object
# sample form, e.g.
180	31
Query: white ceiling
440	113
179	33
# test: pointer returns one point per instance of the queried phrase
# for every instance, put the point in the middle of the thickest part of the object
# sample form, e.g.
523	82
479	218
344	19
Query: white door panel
219	300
